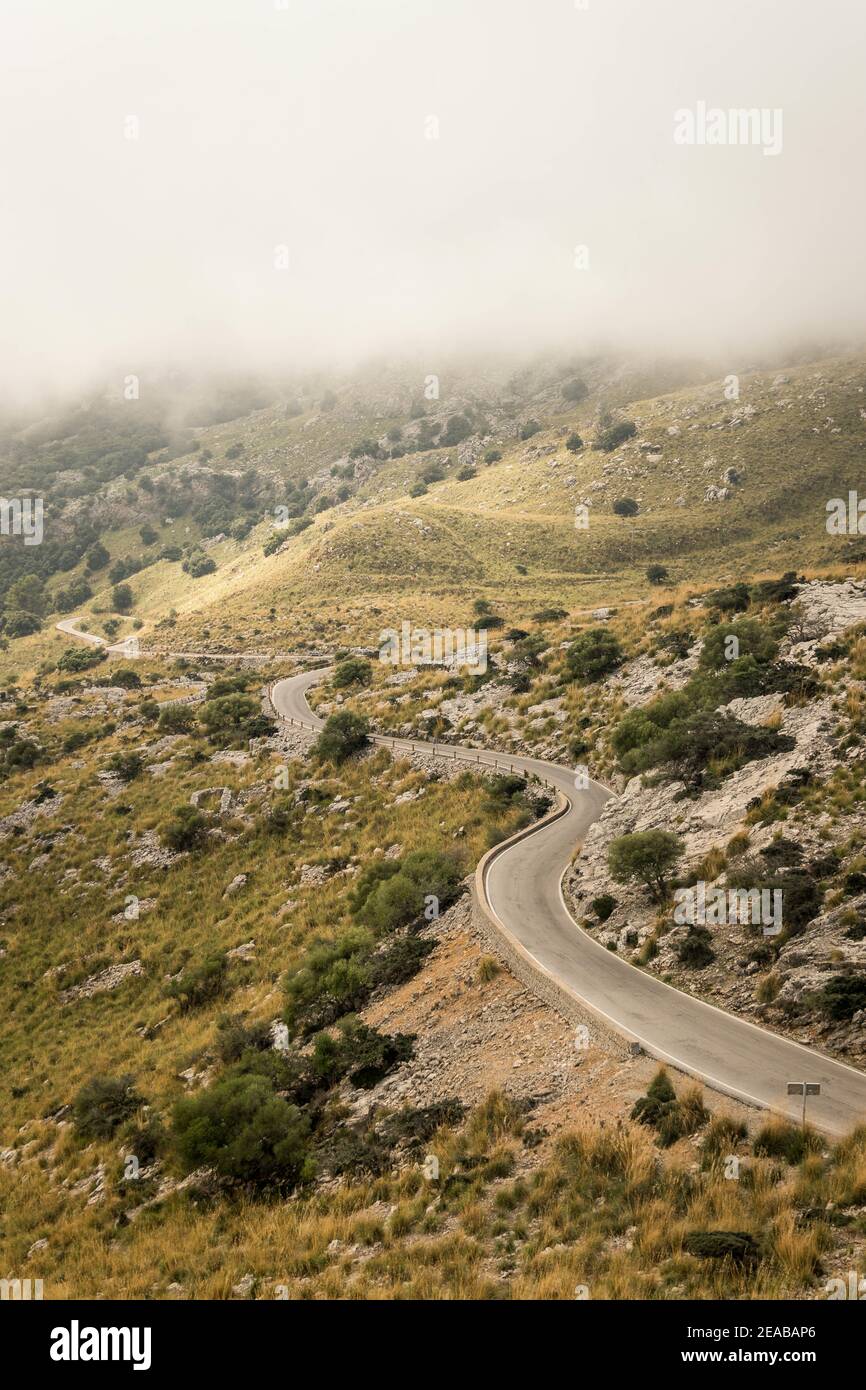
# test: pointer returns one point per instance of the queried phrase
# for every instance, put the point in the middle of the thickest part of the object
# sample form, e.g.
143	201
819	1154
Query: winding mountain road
521	885
522	889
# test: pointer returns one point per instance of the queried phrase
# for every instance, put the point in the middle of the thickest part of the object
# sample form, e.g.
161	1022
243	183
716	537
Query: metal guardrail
436	750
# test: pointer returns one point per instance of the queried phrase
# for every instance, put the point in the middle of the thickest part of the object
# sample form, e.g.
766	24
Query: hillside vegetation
257	1047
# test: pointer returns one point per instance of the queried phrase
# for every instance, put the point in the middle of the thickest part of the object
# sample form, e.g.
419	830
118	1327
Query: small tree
625	506
646	856
592	655
656	574
344	734
97	557
21	624
250	1135
198	564
121	598
354	671
76	659
28	594
574	443
231	715
175	719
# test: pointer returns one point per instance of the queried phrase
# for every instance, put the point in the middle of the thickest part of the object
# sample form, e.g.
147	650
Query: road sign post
804	1089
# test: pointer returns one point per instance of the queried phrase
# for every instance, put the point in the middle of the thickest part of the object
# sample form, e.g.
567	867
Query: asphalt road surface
522	886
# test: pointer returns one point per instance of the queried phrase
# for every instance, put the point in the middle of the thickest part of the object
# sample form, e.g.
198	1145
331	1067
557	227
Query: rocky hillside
249	1058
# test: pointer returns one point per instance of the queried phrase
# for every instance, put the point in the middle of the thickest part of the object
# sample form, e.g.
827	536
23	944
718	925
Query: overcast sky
307	127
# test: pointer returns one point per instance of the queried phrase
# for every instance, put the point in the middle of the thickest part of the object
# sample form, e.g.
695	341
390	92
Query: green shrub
359	1052
801	893
780	1139
691	742
575	390
695	950
121	598
146	1140
392	894
97	557
233	718
126	766
842	997
753	639
200	984
17	623
646	857
187	830
603	906
610	438
76	593
344	734
235	1037
660	1093
17	753
198	564
398	960
251	1136
354	671
734	599
123	676
737	1246
457	429
775	590
76	659
333	978
593	655
672	1117
102	1104
275	540
176	719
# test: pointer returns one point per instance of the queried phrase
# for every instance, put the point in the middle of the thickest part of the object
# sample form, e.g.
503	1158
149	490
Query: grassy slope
363	566
426	558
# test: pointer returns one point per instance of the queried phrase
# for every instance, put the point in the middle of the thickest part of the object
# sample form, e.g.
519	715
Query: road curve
522	886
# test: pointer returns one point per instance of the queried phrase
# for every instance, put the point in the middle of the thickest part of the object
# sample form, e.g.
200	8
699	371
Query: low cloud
222	183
